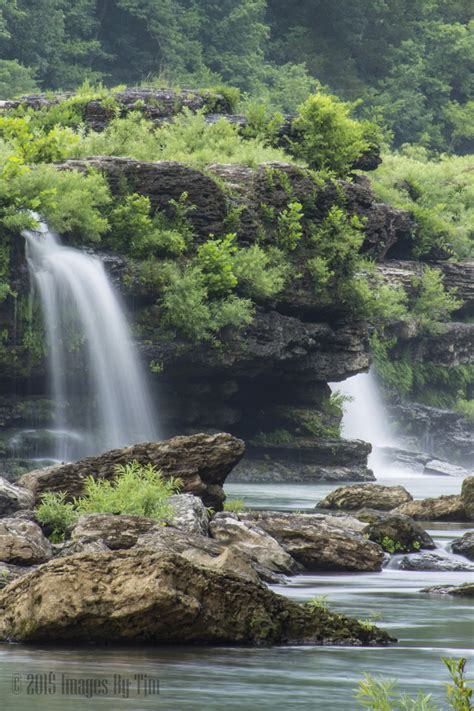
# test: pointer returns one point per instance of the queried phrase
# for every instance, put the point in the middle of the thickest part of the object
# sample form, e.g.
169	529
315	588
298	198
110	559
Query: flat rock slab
319	542
201	461
149	597
434	561
464	590
374	496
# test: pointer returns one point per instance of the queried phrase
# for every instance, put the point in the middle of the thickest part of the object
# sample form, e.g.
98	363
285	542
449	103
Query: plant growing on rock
56	514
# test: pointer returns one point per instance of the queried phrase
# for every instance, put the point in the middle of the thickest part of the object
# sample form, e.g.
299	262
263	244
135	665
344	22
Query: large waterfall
101	399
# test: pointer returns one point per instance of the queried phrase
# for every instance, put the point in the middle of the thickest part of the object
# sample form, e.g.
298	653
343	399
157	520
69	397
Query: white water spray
97	383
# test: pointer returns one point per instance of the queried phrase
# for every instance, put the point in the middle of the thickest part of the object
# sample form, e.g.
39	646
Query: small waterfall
99	390
365	417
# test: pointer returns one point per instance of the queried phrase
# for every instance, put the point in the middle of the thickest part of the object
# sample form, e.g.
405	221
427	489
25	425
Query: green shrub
214	259
331	139
433	304
57	514
260	273
466	408
266	439
289	227
234	506
15	79
37	145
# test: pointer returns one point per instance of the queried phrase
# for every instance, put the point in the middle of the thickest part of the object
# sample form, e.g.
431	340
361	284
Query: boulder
201	461
442	508
319	542
254	542
23	543
142	596
13	498
464	590
464	545
467	496
358	496
9	572
190	514
394	532
433	561
116	532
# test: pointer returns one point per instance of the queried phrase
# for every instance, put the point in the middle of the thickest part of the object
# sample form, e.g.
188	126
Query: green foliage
466	408
382	695
267	439
289	227
234	506
432	304
214	259
331	139
57	514
260	273
36	145
439	193
319	602
15	79
138	490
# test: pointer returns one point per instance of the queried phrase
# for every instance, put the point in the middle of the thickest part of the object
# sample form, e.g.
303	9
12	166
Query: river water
427	627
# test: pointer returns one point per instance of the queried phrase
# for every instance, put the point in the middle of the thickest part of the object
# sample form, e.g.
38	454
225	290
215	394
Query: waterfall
101	399
365	417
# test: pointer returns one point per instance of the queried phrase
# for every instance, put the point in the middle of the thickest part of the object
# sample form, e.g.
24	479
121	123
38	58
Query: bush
466	408
261	274
331	139
433	304
289	227
36	145
137	490
214	259
15	79
234	506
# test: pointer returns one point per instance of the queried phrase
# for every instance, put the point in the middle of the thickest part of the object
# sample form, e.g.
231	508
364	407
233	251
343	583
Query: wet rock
253	541
464	590
433	561
251	469
374	496
464	545
442	508
435	466
394	532
201	461
319	542
190	514
467	496
23	543
143	596
13	498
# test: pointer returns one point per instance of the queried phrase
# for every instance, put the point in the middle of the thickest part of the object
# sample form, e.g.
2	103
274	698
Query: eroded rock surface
464	545
374	496
394	532
441	508
13	498
23	542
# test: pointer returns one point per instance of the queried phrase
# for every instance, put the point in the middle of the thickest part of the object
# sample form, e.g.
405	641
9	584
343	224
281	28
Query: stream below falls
427	627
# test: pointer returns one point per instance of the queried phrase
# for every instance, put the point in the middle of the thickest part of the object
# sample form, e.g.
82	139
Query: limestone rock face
13	498
442	508
374	496
117	532
319	542
394	532
149	597
9	572
23	543
226	528
464	545
201	461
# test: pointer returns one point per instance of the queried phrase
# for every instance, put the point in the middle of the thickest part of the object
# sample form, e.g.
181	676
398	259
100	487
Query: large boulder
464	545
253	541
358	496
467	496
319	543
116	532
201	461
441	508
23	543
144	596
394	532
434	561
189	514
13	498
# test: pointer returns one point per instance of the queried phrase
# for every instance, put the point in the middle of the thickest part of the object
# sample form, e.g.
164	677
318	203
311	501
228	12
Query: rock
442	508
13	498
190	514
254	542
467	496
116	532
440	433
142	596
318	542
394	532
23	543
433	561
357	496
262	470
9	572
435	466
464	590
201	461
464	545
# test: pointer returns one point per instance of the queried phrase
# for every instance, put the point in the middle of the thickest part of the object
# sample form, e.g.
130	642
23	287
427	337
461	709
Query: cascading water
100	394
365	417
